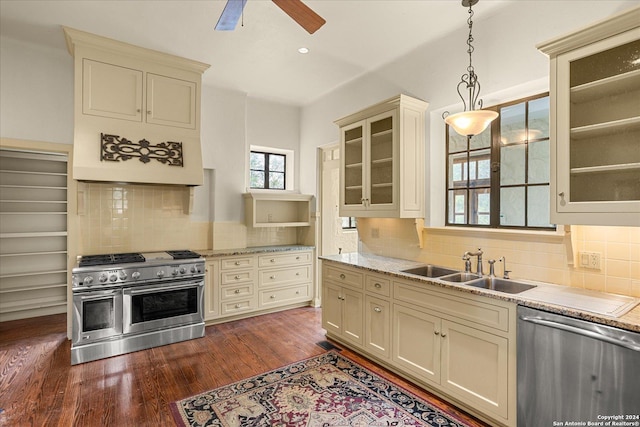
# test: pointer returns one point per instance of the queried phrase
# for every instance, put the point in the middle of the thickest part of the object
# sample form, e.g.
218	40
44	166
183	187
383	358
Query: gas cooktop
135	257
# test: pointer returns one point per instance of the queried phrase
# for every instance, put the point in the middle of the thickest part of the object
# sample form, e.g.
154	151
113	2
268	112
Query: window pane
482	140
257	179
276	180
512	206
512	167
512	126
538	206
457	170
480	206
538	162
479	168
457	206
539	118
276	163
256	161
457	142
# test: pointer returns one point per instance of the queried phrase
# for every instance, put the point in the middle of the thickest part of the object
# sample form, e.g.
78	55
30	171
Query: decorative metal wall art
115	149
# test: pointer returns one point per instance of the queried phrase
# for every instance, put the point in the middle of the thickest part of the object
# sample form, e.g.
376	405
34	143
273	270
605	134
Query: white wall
505	56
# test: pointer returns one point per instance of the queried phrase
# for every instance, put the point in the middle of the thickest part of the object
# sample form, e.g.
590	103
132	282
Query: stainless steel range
134	301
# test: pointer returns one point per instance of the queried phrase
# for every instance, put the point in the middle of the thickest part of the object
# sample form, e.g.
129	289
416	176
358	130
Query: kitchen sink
500	285
429	271
460	277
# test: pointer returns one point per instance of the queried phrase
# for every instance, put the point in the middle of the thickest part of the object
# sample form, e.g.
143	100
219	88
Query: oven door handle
101	295
134	291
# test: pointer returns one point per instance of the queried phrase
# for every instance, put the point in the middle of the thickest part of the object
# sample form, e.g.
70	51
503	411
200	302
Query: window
500	178
267	170
348	223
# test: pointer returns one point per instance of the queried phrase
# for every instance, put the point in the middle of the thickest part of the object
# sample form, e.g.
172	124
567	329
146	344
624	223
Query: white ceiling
259	58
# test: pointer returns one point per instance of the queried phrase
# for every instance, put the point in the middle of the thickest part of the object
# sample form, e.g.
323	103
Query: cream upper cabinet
117	92
382	152
595	123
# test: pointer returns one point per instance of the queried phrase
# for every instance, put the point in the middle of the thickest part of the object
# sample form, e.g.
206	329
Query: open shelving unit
278	209
33	234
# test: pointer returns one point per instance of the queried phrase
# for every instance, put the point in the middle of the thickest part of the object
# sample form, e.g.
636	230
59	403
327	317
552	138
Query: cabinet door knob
342	276
436	332
138	110
378	285
561	194
149	112
377	309
444	335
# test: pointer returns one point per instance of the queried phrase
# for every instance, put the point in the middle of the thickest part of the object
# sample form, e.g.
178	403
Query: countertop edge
629	321
215	253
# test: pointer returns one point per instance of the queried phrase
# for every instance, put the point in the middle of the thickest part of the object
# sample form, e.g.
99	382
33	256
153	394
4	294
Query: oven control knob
194	269
113	277
123	275
135	275
183	270
103	277
160	274
175	272
87	281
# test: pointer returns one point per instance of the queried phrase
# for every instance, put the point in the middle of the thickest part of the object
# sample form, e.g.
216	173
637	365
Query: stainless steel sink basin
429	271
460	277
500	285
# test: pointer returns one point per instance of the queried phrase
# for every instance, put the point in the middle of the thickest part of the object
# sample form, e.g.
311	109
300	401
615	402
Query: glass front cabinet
595	123
382	160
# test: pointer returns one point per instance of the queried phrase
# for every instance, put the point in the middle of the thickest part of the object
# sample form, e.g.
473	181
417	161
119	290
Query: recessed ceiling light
303	50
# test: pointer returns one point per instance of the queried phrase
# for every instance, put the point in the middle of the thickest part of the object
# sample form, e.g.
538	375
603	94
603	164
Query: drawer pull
377	309
272	277
298	273
237	263
237	305
237	277
297	292
272	297
273	260
297	257
342	276
237	291
378	285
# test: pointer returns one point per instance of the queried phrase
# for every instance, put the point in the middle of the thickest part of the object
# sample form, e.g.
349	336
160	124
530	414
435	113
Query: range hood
136	113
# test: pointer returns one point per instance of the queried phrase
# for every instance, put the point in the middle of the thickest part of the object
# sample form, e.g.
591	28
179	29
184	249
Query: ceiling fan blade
302	14
230	15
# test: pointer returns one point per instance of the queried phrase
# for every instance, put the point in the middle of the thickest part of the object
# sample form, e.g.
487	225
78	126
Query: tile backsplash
123	218
547	258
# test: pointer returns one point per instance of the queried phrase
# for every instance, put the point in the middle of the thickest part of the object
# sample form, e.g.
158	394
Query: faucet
503	260
478	254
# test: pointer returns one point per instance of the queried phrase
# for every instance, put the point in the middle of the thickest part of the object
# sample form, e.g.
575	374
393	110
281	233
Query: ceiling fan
298	11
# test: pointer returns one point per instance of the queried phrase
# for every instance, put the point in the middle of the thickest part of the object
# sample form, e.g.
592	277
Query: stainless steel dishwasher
571	370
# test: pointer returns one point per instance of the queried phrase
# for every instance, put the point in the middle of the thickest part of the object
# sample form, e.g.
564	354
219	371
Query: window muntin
348	222
267	170
500	178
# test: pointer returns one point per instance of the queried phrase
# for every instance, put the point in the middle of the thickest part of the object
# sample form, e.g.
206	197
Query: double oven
129	302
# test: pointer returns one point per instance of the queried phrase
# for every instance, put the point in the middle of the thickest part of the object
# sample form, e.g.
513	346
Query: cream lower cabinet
343	304
458	345
251	284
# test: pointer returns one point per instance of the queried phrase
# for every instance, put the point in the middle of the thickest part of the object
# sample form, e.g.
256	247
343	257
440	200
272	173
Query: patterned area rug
325	391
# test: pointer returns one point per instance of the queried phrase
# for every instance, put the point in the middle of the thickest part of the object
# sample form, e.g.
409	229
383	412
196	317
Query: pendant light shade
473	121
470	123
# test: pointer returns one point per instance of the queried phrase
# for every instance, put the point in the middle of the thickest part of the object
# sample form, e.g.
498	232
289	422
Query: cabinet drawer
289	258
237	263
240	306
233	277
344	277
284	276
285	295
480	313
378	285
235	292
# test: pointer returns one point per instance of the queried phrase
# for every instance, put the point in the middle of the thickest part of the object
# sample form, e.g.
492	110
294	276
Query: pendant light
474	121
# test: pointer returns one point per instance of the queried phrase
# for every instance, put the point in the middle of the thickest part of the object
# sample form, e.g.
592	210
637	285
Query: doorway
338	235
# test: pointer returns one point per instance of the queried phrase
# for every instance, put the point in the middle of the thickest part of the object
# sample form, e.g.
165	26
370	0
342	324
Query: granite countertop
544	296
213	253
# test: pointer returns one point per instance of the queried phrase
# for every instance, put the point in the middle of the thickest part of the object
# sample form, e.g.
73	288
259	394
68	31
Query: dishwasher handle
579	331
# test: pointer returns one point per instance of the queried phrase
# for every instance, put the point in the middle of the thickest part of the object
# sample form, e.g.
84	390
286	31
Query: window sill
516	235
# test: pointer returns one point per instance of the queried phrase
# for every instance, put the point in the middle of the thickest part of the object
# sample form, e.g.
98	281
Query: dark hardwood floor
39	387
